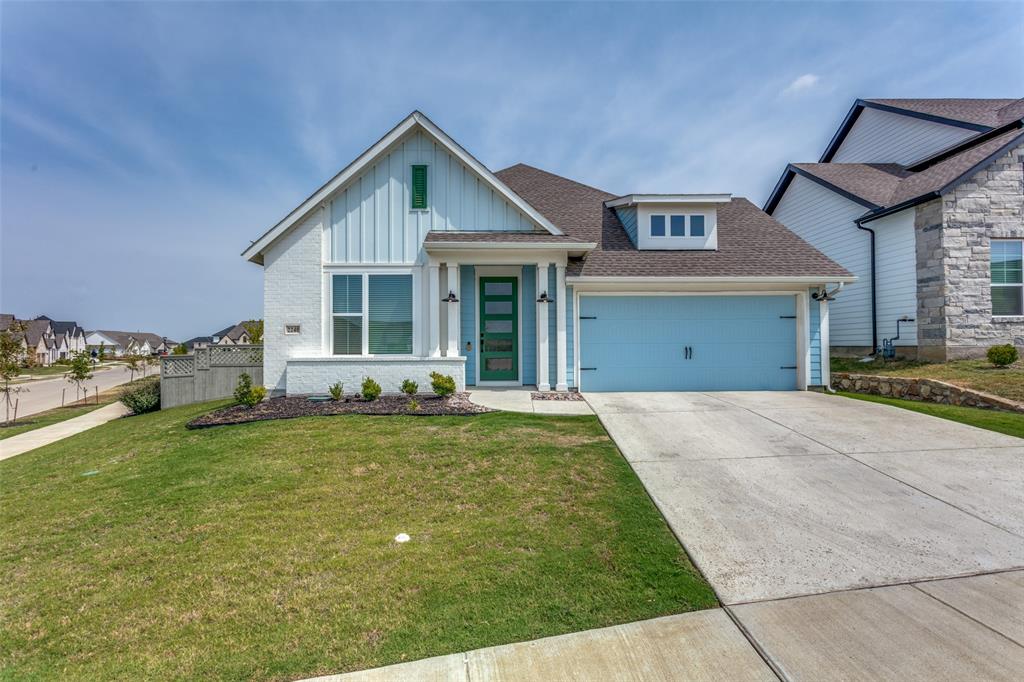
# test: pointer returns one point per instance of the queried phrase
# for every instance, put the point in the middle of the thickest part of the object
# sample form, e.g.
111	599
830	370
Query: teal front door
499	329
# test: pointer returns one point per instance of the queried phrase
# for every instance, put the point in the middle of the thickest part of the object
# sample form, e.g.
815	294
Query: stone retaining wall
925	390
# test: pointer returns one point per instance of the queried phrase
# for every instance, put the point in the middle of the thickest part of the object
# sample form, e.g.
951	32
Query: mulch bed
291	407
557	395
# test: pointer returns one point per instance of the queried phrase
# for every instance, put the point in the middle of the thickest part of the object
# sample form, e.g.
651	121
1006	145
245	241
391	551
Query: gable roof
751	244
6	320
35	330
979	115
416	119
887	188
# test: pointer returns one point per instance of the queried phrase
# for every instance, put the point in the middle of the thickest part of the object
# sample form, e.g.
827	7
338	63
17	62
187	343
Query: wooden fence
208	374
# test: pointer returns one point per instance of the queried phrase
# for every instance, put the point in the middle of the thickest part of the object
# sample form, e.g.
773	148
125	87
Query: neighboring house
198	342
417	258
73	336
923	200
120	344
233	335
39	341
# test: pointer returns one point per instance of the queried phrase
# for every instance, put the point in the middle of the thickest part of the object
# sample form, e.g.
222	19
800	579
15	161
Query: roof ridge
554	175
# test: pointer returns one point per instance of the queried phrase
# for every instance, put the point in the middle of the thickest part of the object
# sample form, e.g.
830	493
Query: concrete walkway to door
519	399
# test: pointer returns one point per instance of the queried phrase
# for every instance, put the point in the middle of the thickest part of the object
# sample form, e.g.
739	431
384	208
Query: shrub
247	394
336	391
1003	355
142	396
442	384
414	405
371	389
409	387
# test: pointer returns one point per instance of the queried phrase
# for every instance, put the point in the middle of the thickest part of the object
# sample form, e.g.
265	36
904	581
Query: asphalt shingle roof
887	185
986	112
498	237
750	242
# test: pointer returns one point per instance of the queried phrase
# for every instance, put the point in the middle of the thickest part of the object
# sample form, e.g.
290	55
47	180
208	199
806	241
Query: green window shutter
419	187
390	313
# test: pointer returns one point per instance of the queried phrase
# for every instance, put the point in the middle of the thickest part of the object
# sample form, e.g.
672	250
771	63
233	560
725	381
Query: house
417	258
198	342
233	335
119	344
73	336
922	199
40	342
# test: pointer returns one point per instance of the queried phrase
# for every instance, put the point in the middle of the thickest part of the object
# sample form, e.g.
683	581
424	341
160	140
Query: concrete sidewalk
16	445
698	647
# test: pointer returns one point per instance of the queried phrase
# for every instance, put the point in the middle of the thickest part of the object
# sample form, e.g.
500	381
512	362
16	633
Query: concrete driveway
784	494
846	539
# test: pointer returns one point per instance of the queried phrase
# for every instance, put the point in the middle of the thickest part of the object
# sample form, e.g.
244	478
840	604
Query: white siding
371	221
292	294
885	137
896	269
825	220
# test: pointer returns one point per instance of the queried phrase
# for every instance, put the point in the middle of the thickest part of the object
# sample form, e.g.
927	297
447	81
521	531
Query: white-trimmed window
371	314
678	225
1007	263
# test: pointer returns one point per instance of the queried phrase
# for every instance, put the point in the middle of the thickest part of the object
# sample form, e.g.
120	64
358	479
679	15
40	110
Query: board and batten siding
884	137
627	216
371	220
896	272
825	220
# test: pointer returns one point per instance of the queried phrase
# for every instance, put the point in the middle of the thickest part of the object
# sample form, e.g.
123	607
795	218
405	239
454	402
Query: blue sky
142	146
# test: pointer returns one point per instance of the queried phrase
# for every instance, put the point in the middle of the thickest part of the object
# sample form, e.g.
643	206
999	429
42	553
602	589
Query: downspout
874	298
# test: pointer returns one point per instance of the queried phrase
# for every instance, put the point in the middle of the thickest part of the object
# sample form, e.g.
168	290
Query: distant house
40	342
70	337
234	335
198	342
119	343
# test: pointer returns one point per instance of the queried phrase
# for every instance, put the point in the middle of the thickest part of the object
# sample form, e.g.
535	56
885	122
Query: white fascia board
255	250
803	280
633	199
489	246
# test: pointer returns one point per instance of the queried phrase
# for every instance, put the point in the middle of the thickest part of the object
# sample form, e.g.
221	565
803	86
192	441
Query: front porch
511	323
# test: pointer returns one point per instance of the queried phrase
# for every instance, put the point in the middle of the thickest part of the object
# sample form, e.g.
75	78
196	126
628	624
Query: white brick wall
292	294
314	375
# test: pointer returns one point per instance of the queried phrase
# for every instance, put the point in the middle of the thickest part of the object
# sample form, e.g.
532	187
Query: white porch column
560	380
453	311
434	311
543	383
803	341
826	364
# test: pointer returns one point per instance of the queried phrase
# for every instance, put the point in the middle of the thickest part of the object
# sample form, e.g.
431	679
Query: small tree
134	364
11	358
148	361
255	331
180	349
102	351
80	371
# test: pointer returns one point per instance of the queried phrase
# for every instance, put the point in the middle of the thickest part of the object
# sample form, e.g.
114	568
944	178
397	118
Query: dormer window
679	225
670	222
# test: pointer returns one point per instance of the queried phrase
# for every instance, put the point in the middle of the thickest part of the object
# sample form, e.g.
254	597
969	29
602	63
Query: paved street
42	395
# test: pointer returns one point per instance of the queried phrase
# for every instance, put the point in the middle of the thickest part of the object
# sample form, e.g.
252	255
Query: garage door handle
787	367
588	317
588	369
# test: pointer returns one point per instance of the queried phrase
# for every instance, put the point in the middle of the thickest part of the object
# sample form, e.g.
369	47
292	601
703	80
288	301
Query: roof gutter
533	246
803	279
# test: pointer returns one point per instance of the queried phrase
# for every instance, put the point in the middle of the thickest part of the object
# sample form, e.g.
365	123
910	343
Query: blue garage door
687	343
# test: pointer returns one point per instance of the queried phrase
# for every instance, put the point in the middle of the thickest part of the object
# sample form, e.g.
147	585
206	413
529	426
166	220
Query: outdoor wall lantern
544	298
450	298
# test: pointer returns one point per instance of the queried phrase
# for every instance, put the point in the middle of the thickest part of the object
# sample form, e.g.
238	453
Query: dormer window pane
657	226
696	226
678	226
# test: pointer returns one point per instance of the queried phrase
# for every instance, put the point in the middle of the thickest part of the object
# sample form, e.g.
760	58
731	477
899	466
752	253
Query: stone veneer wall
954	304
926	390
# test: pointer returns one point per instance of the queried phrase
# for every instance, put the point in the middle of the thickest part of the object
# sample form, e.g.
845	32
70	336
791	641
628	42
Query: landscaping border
924	390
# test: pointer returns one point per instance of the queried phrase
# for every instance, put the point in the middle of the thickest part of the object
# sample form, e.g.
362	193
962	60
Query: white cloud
804	82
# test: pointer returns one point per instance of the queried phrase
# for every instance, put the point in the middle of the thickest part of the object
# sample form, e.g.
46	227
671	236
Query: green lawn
139	549
1004	422
980	375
